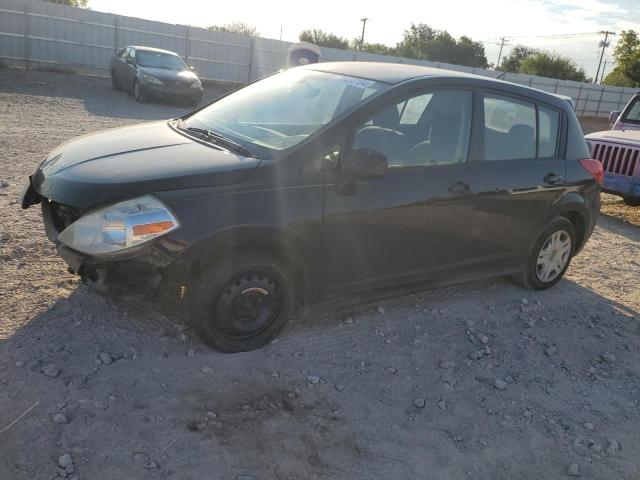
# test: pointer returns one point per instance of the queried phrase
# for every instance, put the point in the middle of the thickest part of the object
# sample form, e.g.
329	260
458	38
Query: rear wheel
241	304
138	94
550	256
631	201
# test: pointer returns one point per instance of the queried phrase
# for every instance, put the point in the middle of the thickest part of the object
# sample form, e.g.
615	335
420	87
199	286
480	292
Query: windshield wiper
218	138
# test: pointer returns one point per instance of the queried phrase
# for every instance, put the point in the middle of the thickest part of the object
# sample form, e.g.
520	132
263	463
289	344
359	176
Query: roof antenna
499	77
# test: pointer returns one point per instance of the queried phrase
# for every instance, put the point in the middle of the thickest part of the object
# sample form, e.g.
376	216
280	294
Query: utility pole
503	39
604	44
604	66
364	24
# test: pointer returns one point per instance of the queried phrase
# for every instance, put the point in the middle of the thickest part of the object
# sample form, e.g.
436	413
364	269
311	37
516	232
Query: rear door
129	68
520	176
415	223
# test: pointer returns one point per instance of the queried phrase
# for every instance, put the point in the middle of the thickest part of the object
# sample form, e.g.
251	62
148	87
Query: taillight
594	167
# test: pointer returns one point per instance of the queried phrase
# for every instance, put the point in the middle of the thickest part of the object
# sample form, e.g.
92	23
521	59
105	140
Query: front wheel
138	94
550	256
631	201
241	304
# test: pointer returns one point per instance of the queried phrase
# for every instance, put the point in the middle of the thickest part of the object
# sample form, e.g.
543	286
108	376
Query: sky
546	24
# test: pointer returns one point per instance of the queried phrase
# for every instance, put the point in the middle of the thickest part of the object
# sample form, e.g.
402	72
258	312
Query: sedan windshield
282	110
160	60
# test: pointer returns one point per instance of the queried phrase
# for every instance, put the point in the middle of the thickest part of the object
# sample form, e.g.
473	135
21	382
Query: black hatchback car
154	73
325	184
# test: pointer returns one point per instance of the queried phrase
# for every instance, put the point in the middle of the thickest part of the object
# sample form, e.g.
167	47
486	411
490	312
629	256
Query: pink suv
618	150
629	118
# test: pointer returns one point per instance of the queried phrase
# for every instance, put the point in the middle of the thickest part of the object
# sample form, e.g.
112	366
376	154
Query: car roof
151	49
395	73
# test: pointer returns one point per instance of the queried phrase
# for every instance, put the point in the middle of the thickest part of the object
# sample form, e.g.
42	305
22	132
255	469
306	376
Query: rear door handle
459	188
552	178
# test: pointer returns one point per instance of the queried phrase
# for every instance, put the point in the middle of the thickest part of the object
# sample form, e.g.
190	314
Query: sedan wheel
137	92
549	256
553	256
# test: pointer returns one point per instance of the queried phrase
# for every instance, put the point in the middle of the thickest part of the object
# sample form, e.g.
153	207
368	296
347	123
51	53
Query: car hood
628	137
132	161
165	74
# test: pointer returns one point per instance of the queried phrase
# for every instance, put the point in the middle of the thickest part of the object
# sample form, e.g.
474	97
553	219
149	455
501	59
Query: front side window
282	110
632	114
432	128
509	129
160	60
123	53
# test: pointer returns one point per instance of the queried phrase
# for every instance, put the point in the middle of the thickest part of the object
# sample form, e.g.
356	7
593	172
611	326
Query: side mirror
364	164
613	117
192	68
361	164
131	61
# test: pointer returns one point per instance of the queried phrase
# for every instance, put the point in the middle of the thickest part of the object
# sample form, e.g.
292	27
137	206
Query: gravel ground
480	381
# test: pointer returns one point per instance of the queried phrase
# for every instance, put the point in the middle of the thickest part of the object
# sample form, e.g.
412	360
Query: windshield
284	109
632	113
160	60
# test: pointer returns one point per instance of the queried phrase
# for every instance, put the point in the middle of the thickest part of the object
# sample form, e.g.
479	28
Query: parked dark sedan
151	72
333	182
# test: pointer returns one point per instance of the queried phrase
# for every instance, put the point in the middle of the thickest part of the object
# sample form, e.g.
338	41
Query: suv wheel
631	201
242	304
550	256
137	92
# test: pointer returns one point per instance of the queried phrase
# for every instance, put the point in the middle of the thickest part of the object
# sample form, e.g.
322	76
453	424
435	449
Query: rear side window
548	124
518	130
510	129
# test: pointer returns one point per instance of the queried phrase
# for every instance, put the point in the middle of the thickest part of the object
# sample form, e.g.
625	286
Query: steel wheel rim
248	305
553	256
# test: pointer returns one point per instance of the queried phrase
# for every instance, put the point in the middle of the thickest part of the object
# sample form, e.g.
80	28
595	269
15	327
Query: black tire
631	201
114	82
242	303
138	94
529	276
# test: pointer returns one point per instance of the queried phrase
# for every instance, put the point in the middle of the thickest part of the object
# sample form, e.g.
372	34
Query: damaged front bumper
136	270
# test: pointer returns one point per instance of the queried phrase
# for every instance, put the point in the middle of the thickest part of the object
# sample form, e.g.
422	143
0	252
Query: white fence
35	33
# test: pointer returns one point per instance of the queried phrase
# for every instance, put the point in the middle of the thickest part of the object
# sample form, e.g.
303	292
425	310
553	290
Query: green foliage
324	39
237	27
72	3
627	56
424	43
511	63
379	48
553	66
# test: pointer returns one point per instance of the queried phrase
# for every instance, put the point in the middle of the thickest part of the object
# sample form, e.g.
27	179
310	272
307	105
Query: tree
553	66
237	27
511	63
425	43
71	3
627	56
323	39
379	48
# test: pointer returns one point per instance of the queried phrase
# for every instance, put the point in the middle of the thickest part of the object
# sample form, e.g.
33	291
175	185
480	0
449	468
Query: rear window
548	123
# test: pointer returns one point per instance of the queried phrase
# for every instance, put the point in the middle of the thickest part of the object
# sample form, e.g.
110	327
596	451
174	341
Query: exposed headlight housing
196	84
119	226
152	79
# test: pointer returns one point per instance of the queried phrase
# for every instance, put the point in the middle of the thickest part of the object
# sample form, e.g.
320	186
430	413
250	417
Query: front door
414	223
520	177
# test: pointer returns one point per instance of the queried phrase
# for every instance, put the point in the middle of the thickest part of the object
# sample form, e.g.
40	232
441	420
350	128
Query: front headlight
119	226
196	84
152	79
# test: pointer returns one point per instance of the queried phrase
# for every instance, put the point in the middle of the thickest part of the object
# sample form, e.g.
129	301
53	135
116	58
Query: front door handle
459	188
552	178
